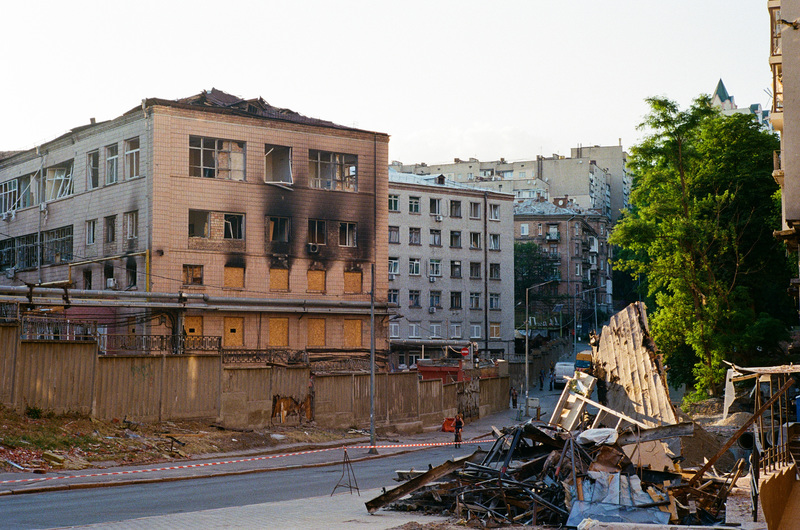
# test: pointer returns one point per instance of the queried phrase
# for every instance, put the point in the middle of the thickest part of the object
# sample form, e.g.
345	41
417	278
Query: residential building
576	243
727	105
264	220
451	268
785	112
593	177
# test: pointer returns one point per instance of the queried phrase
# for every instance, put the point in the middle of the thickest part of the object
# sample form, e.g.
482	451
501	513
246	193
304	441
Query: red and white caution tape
223	462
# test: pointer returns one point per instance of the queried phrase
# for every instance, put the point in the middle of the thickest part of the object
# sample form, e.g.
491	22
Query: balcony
552	236
777	168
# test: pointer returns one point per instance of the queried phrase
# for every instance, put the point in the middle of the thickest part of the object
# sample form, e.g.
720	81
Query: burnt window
279	229
87	279
215	158
316	232
234	226
333	171
347	234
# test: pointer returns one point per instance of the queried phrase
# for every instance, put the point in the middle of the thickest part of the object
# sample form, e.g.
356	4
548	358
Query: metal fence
272	356
9	312
133	343
47	328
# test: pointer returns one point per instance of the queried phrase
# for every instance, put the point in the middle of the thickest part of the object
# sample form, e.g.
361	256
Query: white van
564	369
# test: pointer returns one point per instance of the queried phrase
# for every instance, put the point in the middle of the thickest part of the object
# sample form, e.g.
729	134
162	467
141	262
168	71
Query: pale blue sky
445	79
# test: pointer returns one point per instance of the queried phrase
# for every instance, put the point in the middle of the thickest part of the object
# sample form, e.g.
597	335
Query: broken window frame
234	226
27	248
217	158
131	225
93	170
132	150
333	171
279	229
58	181
112	164
9	196
57	246
91	232
192	274
192	228
7	253
348	234
317	232
110	232
284	173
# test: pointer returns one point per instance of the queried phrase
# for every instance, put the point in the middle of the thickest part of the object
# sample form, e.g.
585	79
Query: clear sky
445	79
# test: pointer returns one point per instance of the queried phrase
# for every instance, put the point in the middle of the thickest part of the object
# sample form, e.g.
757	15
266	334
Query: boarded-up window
316	281
279	279
352	282
193	325
278	332
233	334
234	278
316	332
352	333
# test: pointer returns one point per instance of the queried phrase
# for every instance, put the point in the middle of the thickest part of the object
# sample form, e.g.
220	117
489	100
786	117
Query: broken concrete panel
632	374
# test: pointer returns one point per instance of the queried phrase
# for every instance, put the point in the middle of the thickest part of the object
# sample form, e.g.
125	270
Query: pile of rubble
616	461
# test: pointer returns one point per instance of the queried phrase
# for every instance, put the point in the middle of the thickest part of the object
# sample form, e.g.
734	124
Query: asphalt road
100	505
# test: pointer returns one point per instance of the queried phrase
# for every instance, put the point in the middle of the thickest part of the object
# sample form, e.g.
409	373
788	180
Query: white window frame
350	232
523	229
285	172
436	206
436	330
494	212
394	330
217	158
132	169
93	170
413	205
494	301
131	225
476	298
455	330
231	229
112	164
394	203
414	267
91	232
474	210
413	330
494	241
435	267
394	265
474	331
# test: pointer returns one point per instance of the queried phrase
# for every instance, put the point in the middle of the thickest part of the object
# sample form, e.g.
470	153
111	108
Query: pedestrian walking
514	397
541	380
552	378
458	426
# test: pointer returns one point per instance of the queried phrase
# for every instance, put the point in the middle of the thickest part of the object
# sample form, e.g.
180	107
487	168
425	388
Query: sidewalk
274	458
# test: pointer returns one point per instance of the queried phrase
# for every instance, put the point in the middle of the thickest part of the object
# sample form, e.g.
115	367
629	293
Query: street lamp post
527	336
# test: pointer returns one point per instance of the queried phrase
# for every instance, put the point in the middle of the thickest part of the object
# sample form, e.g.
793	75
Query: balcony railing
552	236
271	356
46	328
144	344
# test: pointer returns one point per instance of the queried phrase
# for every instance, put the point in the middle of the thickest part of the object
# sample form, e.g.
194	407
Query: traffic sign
465	351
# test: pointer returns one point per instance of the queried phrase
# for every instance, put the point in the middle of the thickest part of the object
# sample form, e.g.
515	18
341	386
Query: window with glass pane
316	232
435	267
347	234
333	171
455	300
413	266
413	298
455	208
436	238
394	234
455	269
436	298
216	158
414	236
394	266
394	203
413	205
494	271
475	269
475	240
474	300
455	238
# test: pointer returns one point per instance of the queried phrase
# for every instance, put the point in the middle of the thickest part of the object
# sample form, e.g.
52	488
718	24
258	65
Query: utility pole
372	449
527	336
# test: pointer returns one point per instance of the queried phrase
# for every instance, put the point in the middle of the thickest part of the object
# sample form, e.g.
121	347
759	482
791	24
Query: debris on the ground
612	460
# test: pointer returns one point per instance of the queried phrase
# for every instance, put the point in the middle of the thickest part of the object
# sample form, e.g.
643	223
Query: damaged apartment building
209	215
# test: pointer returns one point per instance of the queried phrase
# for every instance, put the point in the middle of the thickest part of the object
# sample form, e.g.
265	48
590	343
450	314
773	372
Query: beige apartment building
593	177
451	269
244	221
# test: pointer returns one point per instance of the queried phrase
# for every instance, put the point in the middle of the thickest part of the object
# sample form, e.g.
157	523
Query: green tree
700	231
534	266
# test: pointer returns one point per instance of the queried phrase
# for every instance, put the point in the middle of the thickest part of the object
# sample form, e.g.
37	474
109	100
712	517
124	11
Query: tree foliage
533	266
700	231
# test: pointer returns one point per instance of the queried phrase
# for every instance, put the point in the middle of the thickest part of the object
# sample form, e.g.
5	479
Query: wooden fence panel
431	402
246	396
9	338
333	400
402	397
55	376
128	386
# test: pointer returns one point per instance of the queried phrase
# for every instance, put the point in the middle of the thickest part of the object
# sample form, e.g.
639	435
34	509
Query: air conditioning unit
432	279
111	283
313	248
437	218
391	277
431	310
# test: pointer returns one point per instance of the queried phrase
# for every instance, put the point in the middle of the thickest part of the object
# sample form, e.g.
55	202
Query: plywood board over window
316	281
352	333
279	279
234	278
278	332
352	282
193	325
316	332
233	334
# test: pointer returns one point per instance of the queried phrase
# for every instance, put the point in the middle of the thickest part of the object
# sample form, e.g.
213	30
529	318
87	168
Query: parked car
564	369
